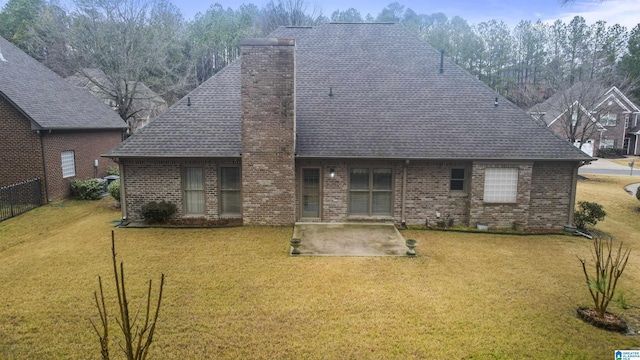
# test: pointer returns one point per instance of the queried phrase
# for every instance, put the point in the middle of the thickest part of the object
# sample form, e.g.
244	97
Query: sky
624	12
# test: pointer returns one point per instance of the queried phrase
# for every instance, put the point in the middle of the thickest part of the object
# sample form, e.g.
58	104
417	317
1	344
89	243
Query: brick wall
500	215
268	131
427	192
87	147
156	180
20	150
550	200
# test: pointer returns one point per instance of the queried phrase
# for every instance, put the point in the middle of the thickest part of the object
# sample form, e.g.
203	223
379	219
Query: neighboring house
599	118
50	129
146	104
349	122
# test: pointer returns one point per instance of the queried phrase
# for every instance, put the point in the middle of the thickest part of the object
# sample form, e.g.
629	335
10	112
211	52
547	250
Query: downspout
123	194
403	221
574	187
44	167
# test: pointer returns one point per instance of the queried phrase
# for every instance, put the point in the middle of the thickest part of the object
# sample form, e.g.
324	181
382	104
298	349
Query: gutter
44	166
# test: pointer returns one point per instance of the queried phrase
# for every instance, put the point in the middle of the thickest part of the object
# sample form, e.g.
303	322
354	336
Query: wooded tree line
149	41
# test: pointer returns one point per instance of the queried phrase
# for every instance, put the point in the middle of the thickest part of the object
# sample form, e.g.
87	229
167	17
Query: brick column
268	131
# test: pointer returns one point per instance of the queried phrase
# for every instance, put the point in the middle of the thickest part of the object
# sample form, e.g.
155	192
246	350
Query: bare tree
130	41
570	112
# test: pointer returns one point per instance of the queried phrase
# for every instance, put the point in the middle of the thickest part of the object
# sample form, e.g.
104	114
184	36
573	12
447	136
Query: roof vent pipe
188	101
495	103
441	61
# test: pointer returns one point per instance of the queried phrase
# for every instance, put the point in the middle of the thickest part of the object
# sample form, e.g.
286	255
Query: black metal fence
19	198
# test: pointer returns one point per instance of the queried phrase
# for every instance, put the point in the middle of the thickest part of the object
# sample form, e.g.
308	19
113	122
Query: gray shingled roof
46	99
389	101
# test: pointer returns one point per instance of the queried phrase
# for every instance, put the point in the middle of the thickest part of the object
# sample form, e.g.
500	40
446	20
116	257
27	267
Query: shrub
113	170
638	193
589	213
91	189
158	212
610	153
114	189
608	267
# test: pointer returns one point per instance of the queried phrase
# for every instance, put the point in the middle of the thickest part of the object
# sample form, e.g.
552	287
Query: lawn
236	293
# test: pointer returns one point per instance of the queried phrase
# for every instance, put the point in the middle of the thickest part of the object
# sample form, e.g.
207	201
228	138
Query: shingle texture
389	101
48	100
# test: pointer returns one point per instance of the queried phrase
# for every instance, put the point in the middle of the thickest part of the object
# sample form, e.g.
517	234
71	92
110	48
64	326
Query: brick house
601	118
51	129
349	122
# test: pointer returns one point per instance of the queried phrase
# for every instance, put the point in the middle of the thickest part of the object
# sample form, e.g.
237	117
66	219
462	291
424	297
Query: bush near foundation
91	189
158	212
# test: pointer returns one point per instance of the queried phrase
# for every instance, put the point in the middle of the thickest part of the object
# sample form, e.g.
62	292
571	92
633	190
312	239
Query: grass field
235	293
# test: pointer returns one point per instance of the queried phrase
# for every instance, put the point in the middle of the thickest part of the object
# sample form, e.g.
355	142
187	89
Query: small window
193	183
68	163
230	195
500	185
457	180
626	121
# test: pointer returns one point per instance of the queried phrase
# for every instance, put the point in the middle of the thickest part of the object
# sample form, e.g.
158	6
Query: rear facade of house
349	122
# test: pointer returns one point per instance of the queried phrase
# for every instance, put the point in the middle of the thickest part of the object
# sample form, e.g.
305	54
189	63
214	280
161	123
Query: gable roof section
46	99
389	101
205	123
583	110
630	105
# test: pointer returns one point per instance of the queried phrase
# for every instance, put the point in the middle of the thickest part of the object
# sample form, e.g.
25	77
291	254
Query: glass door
311	193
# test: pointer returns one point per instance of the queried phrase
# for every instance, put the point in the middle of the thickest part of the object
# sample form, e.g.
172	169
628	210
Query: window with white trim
501	185
193	190
67	158
607	144
626	121
608	119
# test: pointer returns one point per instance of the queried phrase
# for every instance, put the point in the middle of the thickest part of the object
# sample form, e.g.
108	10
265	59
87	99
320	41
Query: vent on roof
441	61
2	57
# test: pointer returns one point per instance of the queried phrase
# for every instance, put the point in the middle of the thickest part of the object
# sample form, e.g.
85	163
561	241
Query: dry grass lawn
236	293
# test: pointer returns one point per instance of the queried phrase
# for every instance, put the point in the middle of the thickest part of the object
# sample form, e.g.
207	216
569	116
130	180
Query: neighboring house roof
46	99
389	101
621	99
587	95
147	104
583	110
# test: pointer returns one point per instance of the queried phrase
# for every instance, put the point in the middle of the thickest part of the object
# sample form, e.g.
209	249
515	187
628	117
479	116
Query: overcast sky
624	12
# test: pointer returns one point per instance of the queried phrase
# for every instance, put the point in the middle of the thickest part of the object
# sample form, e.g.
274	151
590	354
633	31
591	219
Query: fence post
11	200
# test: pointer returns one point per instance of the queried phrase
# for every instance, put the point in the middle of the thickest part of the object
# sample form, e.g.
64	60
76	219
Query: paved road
608	167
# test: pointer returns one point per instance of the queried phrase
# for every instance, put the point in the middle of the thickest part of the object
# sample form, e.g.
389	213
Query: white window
68	163
607	144
500	185
626	121
193	184
608	119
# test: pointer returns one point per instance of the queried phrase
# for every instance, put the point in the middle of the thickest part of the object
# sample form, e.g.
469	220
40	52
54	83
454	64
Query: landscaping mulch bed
610	321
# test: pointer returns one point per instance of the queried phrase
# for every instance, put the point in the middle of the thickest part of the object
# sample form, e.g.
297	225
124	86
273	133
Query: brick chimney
268	131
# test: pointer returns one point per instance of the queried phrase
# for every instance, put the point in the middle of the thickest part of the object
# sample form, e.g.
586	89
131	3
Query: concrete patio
349	239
